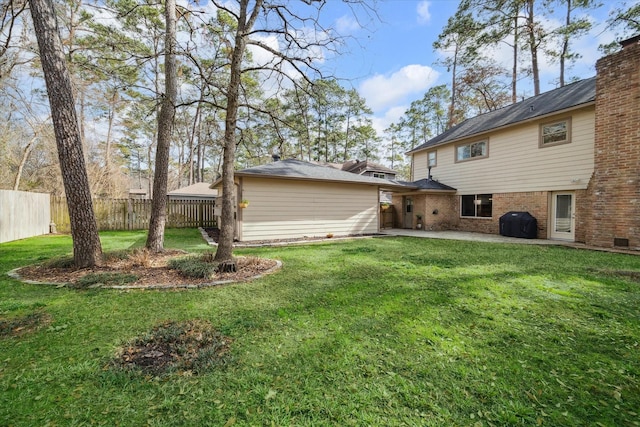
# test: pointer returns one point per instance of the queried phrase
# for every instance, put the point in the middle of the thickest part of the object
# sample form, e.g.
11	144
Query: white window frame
472	150
435	159
566	121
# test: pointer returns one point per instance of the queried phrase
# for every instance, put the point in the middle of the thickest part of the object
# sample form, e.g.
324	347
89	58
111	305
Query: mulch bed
152	273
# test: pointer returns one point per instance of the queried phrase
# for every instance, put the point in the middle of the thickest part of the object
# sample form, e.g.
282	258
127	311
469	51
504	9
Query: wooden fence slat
134	214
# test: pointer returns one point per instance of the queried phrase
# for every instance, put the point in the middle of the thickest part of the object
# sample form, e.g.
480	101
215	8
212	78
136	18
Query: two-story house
570	157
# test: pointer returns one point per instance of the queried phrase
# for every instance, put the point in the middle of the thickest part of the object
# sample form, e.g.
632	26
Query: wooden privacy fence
134	214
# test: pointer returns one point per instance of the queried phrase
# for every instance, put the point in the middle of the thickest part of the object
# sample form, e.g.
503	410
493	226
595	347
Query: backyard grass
384	331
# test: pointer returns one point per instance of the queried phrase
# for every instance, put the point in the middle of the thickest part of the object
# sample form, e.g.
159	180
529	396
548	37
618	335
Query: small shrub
248	261
116	255
140	257
193	266
208	256
60	262
104	279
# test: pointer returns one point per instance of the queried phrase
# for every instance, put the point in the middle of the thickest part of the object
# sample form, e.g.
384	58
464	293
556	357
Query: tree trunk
454	87
514	73
155	239
533	46
224	253
107	156
565	45
23	161
87	250
192	138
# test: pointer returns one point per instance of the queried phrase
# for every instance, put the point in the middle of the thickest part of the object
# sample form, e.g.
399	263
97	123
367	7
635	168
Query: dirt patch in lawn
185	347
139	269
17	326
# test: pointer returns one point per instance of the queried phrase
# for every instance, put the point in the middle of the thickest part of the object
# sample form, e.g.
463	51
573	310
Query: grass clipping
186	347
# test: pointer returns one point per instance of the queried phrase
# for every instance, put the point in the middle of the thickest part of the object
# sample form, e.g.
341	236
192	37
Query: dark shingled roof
361	166
298	169
428	184
569	96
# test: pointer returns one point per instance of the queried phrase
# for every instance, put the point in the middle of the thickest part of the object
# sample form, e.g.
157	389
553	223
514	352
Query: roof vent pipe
275	157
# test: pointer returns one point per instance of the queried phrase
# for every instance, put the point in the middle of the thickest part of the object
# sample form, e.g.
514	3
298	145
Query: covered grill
519	224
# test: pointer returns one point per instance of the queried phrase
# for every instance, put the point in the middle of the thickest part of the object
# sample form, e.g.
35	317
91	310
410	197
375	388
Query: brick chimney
615	185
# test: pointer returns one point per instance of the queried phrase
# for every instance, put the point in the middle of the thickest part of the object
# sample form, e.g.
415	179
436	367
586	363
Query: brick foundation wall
536	203
615	185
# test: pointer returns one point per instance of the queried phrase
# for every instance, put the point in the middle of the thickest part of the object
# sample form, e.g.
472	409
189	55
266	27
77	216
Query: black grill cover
519	224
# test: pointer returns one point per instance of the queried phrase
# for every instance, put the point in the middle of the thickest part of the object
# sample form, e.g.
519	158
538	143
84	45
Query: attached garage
296	199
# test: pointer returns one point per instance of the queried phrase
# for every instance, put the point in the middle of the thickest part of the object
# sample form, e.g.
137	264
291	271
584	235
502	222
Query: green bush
65	261
105	279
193	266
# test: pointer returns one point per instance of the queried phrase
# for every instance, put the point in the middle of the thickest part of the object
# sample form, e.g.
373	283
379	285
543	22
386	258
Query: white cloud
424	15
383	92
346	25
392	115
262	56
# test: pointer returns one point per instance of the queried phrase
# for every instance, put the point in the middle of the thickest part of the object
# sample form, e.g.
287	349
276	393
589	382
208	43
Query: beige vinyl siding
282	209
516	163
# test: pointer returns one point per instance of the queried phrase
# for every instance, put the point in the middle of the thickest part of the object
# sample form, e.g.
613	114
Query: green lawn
385	331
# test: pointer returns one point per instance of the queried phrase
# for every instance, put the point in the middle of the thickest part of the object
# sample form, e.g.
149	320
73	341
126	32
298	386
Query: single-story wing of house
296	199
197	191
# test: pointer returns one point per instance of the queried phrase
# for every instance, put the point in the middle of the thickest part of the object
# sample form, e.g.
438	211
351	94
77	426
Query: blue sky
391	61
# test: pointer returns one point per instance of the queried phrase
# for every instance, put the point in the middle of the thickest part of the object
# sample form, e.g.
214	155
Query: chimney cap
629	42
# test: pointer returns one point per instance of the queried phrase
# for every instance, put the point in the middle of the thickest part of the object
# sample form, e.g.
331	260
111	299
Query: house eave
499	128
416	192
317	179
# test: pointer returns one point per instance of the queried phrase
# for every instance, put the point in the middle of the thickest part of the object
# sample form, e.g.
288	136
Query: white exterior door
407	217
563	216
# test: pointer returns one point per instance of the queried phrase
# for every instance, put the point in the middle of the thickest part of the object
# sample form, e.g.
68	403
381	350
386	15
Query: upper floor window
555	133
431	159
476	205
473	150
379	175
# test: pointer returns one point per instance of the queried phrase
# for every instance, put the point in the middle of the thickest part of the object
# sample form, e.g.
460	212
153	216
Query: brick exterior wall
439	211
583	214
535	202
448	211
614	190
